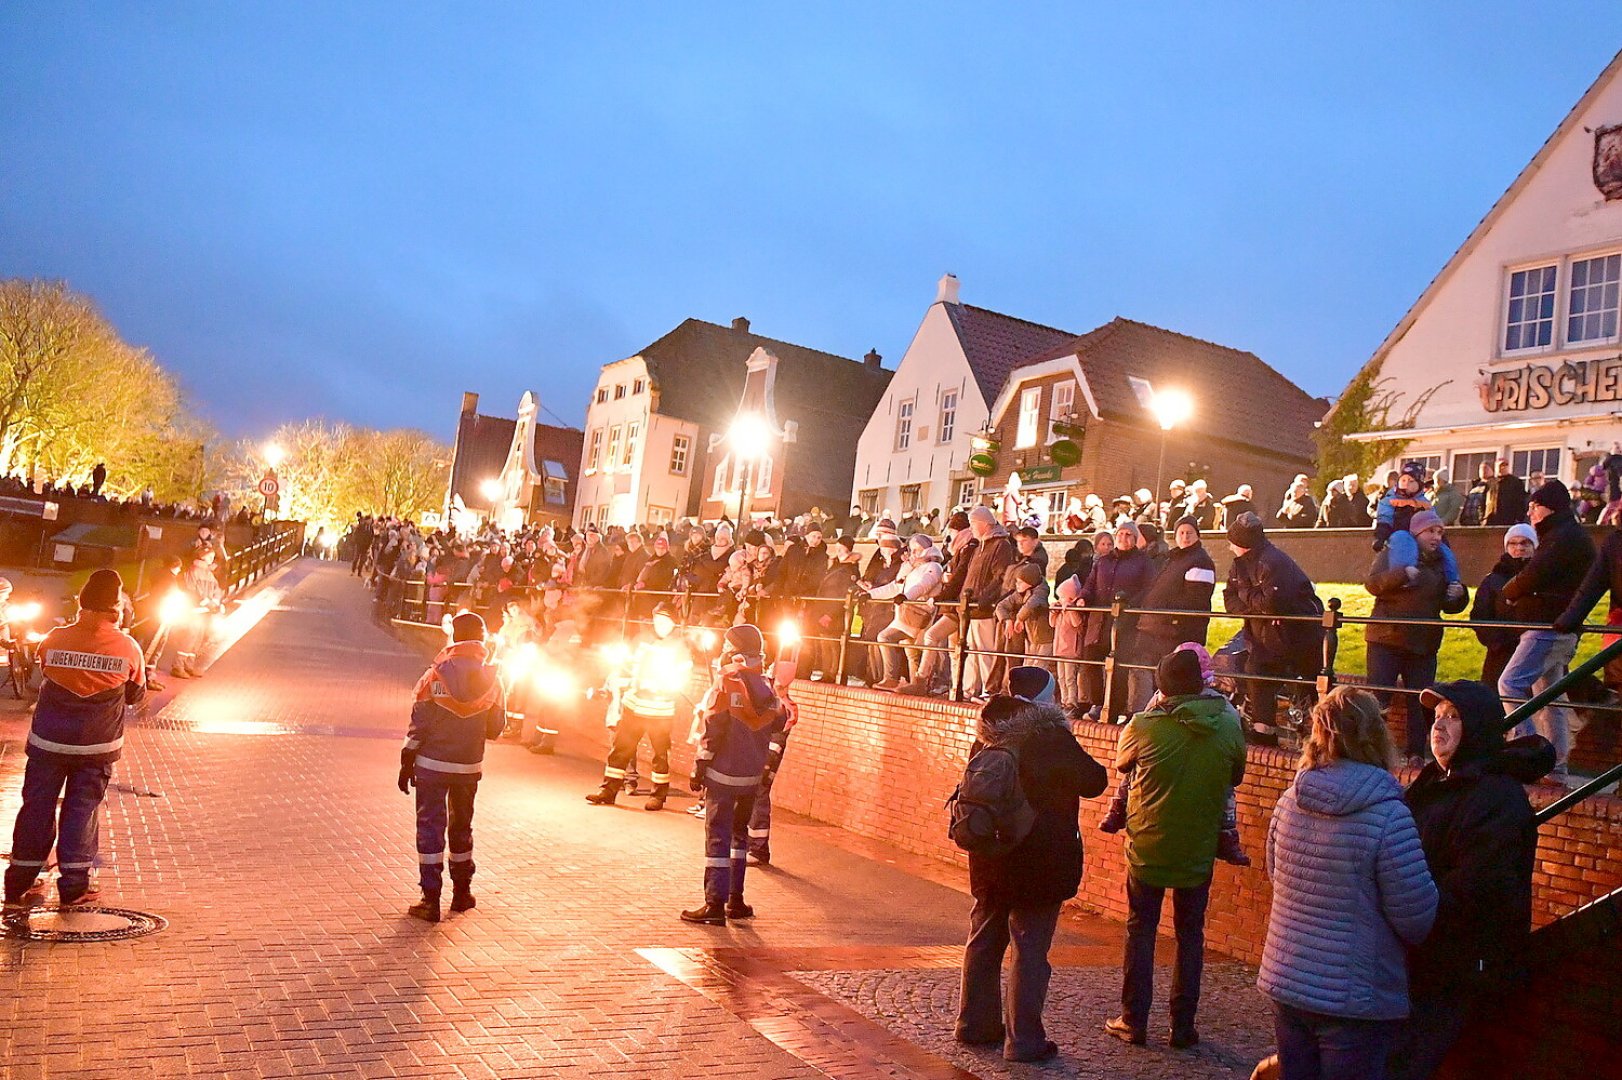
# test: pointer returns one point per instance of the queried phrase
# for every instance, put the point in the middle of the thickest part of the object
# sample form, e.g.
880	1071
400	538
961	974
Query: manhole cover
81	924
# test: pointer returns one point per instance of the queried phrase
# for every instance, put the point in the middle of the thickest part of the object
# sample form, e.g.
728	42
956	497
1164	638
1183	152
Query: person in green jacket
1184	754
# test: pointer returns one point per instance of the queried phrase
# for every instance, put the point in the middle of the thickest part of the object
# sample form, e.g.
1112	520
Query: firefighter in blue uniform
92	670
659	670
459	705
740	715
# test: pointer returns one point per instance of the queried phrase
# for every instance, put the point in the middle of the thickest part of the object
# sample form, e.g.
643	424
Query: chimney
946	289
872	359
741	325
470	403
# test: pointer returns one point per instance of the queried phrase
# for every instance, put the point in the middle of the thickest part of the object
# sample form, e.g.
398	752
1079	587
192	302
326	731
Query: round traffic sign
269	486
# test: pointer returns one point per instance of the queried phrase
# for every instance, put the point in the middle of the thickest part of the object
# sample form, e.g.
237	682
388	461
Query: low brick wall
882	766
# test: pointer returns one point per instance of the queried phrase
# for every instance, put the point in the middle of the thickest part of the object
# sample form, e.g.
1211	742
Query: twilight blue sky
360	210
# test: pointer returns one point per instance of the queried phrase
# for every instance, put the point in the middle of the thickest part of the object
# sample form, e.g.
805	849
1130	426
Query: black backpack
988	813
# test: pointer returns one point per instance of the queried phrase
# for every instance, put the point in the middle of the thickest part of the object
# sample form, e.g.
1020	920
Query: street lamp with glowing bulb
490	489
1171	407
749	439
274	454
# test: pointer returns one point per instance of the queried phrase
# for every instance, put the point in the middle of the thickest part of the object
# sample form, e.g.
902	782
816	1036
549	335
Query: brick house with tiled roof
915	447
478	454
534	465
647	456
1250	424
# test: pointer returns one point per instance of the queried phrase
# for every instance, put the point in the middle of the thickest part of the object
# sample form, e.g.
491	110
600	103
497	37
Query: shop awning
1496	425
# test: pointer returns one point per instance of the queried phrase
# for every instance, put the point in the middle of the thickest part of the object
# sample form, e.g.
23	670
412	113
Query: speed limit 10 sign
269	486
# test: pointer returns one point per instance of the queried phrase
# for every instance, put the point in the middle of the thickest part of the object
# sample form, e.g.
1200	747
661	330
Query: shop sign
982	464
1537	386
1039	474
1064	452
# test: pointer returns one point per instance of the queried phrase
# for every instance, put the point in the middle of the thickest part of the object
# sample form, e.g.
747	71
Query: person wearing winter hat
1480	841
1184	755
1541	593
739	718
1520	541
1417	589
1264	583
92	670
1018	894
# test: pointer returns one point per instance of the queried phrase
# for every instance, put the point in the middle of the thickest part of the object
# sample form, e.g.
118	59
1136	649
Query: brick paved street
278	848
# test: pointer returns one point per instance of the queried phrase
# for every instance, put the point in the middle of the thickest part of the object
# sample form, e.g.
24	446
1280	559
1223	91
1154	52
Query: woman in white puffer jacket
912	592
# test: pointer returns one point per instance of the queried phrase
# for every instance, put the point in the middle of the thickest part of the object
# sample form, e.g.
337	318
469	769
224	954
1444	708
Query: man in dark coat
1507	502
1541	593
1017	895
1186	582
803	565
826	618
1408	653
1480	842
1127	572
994	553
1264	583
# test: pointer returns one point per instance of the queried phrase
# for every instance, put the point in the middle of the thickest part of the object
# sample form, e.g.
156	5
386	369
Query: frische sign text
1538	386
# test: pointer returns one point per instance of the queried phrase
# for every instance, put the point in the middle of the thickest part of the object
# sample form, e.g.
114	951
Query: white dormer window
1144	391
1064	403
602	394
1030	417
1529	318
638	386
619	391
594	458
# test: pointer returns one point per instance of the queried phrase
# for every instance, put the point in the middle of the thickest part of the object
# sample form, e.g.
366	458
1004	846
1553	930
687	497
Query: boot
605	795
656	801
1229	849
1115	820
462	898
737	909
181	669
426	909
708	915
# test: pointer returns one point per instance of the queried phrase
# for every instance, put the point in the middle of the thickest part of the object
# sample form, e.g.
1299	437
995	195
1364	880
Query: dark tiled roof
995	344
1237	397
482	445
698	371
563	445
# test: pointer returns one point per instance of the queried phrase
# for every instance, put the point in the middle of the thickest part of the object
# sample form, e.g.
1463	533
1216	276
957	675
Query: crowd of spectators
141	505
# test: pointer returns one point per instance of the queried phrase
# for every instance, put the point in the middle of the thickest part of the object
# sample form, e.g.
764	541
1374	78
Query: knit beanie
1178	674
754	538
1425	519
1031	684
1246	531
468	626
102	591
1189	520
1029	573
744	640
1207	672
1522	530
1553	494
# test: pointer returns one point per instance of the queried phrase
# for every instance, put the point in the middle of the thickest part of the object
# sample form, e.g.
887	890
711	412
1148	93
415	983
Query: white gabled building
1521	331
913	453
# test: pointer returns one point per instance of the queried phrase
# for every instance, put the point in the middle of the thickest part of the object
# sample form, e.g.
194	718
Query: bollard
847	619
1331	625
1116	607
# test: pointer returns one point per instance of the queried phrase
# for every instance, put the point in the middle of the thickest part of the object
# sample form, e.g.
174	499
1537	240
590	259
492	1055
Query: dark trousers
760	825
1142	921
982	1014
1261	698
444	808
77	836
1389	666
726	840
628	737
1435	1020
1092	673
1312	1046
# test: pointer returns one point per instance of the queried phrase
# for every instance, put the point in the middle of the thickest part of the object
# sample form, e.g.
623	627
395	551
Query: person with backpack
1015	813
1184	756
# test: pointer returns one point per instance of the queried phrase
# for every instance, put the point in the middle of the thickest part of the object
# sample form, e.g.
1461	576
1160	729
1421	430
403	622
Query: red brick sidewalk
281	854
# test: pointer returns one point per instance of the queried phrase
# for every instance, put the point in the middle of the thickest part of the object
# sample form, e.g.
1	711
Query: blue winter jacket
1350	888
459	704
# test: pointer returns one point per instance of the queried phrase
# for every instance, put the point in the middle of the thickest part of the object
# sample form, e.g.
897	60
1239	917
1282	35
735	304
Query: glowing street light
1171	407
490	489
749	438
274	454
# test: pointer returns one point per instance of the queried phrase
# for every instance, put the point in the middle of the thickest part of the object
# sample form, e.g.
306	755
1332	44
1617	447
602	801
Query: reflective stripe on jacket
92	670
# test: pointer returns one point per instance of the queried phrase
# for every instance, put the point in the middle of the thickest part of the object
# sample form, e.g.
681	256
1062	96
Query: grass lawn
1460	657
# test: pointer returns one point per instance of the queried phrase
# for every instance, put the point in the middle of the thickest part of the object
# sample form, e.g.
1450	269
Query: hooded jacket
740	715
1068	623
1396	598
1055	774
1480	840
913	591
1542	591
1186	582
459	704
982	581
1078	563
1262	582
1604	575
1350	891
91	669
1183	755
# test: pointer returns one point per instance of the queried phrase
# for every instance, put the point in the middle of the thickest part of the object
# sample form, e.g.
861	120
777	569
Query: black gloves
408	770
697	783
1379	543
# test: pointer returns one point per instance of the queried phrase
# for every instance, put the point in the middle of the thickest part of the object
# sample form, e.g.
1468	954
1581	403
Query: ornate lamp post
1171	407
749	438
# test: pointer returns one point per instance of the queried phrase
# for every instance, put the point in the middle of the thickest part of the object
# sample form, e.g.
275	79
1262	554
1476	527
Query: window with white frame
1529	320
1593	302
869	501
619	391
594	457
1523	463
681	447
719	488
660	515
602	394
554	483
613	446
903	423
948	425
1432	462
1064	403
763	475
587	514
912	498
1030	417
1467	467
633	431
1058	503
968	492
